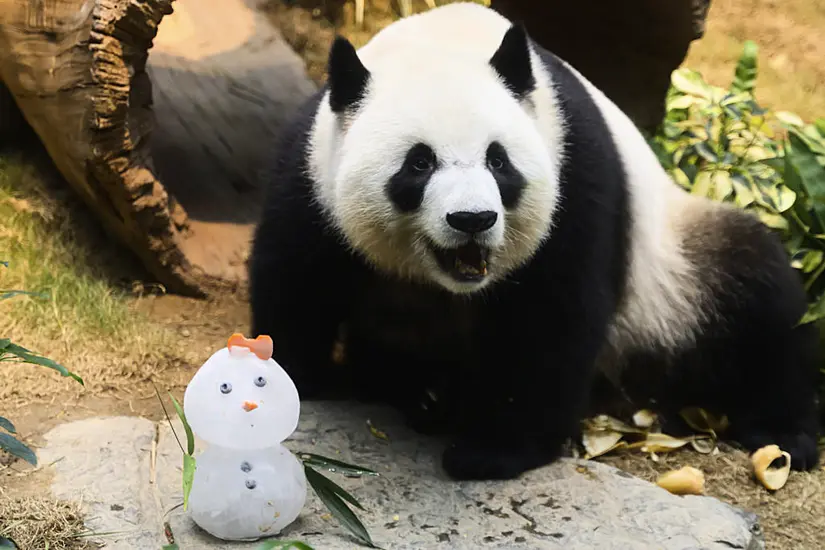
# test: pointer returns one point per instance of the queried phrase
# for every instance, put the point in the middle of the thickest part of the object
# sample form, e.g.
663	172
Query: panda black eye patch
509	179
406	187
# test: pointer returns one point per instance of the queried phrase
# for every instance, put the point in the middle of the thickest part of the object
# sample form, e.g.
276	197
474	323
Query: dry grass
791	39
37	523
790	517
86	321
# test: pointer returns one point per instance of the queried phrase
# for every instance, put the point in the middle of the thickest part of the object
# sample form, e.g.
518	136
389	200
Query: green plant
721	144
11	352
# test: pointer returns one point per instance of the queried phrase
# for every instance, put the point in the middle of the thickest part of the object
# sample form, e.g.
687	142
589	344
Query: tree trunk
627	49
163	149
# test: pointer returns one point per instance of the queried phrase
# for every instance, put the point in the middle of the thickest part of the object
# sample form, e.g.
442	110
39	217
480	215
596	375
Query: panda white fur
495	233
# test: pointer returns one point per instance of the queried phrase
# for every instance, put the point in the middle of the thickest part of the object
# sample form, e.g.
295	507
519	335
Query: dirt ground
175	335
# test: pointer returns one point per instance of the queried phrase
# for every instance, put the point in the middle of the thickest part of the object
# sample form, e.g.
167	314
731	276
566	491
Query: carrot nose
249	406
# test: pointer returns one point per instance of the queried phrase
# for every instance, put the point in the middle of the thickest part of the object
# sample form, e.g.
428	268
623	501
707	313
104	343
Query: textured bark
628	49
160	149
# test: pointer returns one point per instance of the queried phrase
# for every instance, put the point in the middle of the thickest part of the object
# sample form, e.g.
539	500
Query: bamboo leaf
331	495
5	294
17	448
324	481
6	424
29	357
335	466
189	467
190	437
284	545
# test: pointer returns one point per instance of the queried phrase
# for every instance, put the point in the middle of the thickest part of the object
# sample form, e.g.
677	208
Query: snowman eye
226	387
260	382
250	484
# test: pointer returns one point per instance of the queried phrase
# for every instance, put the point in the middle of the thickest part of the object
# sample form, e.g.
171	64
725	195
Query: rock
573	504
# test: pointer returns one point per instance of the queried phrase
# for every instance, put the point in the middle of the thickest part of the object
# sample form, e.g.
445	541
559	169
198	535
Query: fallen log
164	149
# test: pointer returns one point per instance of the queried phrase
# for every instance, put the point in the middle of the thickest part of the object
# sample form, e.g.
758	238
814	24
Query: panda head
436	165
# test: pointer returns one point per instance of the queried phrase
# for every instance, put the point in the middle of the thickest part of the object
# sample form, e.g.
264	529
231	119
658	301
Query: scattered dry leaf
702	421
704	446
659	442
771	477
376	432
684	481
598	442
644	418
604	422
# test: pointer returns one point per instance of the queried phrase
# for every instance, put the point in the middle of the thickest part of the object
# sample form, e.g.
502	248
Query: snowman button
250	484
246	466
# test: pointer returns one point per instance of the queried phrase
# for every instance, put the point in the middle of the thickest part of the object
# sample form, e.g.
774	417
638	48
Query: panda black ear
512	61
346	75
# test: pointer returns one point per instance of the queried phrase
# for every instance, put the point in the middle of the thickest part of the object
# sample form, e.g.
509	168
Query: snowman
247	485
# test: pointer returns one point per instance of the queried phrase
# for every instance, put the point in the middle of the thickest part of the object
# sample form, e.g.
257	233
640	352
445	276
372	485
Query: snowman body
247	484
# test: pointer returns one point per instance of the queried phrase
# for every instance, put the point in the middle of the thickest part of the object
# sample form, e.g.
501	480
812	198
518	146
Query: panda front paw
476	460
801	446
430	415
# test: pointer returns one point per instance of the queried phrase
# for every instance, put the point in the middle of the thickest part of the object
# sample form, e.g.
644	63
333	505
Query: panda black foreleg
521	405
301	283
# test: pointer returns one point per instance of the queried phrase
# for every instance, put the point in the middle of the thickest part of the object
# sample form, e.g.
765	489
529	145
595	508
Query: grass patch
39	240
54	245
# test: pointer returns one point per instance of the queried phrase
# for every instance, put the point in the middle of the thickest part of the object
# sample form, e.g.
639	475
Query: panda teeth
470	260
469	269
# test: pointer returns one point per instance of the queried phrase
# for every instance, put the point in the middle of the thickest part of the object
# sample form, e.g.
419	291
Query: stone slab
127	473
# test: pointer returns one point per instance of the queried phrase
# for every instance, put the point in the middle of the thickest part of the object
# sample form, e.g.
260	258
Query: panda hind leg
775	401
756	366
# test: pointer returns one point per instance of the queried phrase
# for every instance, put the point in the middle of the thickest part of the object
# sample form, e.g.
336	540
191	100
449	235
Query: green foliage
11	352
721	144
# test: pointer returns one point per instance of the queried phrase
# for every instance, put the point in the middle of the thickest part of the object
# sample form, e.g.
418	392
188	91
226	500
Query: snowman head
241	398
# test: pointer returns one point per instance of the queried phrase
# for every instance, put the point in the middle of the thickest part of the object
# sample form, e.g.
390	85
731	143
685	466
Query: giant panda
489	235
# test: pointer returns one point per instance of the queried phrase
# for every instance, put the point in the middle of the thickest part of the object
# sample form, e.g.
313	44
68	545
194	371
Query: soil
791	517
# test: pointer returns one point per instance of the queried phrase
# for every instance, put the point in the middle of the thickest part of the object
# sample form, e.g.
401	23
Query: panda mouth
466	263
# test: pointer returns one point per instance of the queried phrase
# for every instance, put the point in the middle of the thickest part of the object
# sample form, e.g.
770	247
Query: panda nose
472	222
